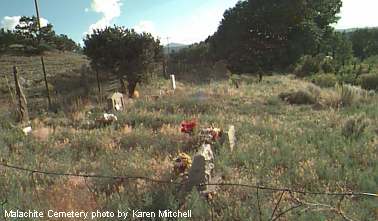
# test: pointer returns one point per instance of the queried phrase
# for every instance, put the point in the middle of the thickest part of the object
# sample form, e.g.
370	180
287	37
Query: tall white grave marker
173	81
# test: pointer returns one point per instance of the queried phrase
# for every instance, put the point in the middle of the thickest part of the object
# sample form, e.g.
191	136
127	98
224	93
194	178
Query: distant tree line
27	38
364	42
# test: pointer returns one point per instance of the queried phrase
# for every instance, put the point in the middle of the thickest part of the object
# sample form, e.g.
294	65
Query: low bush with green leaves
235	80
369	81
307	66
328	65
324	80
372	60
298	97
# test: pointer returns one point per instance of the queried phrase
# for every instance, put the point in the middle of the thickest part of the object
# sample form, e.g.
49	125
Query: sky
179	21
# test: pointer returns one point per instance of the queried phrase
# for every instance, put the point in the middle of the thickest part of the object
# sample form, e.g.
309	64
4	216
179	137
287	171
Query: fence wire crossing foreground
276	189
298	203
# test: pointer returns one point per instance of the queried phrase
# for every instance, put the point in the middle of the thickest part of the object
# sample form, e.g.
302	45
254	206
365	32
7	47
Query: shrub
235	80
347	78
354	126
325	80
298	97
348	94
314	90
273	101
372	60
344	95
30	50
328	65
44	47
307	65
369	81
248	79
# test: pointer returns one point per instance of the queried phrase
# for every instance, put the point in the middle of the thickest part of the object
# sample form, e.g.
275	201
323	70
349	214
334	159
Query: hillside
348	30
174	47
303	147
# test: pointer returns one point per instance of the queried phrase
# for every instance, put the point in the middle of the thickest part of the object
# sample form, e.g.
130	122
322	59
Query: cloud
43	22
198	27
203	22
10	22
146	26
110	9
361	13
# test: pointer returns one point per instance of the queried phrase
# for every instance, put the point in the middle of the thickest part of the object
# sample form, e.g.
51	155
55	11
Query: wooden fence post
22	104
42	60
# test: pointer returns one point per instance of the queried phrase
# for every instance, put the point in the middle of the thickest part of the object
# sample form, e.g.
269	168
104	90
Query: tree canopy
267	34
27	33
124	53
365	42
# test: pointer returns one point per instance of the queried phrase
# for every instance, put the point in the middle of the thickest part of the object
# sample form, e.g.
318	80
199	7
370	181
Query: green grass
278	145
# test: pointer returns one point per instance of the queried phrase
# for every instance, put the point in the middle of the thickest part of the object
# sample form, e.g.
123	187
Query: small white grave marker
116	101
27	130
231	137
173	81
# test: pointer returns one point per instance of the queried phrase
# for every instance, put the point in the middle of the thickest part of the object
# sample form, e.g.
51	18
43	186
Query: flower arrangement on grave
182	164
210	134
187	126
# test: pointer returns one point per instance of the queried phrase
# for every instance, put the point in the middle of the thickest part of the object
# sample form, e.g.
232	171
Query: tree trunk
123	86
98	86
164	68
131	87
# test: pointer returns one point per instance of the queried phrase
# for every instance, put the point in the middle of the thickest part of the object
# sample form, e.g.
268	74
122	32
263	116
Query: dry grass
71	195
278	144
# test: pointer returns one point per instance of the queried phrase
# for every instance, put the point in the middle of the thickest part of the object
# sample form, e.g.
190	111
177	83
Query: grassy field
326	145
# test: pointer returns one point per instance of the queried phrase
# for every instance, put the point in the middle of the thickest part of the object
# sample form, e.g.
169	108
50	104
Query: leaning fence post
42	60
22	104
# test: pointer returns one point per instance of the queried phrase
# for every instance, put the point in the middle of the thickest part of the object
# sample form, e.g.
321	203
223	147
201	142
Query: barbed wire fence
297	202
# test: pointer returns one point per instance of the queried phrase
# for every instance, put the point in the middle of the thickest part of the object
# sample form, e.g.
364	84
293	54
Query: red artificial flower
212	133
215	134
187	126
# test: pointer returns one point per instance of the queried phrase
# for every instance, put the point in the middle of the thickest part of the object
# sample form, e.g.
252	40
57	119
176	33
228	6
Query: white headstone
27	130
173	81
231	137
206	151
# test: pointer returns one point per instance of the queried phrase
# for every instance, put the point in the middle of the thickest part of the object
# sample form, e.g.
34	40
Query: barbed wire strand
258	187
